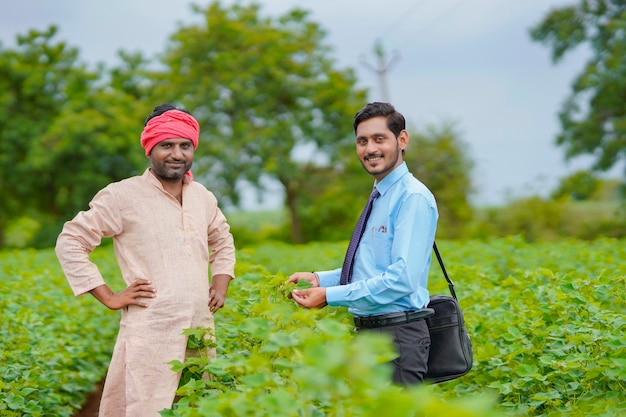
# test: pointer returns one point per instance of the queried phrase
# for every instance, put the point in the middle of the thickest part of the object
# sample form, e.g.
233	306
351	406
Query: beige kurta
170	244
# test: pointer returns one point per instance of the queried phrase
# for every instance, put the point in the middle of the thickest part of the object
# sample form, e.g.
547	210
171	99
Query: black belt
383	320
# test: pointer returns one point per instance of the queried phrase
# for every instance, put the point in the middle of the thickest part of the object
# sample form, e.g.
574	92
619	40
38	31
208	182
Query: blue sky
471	62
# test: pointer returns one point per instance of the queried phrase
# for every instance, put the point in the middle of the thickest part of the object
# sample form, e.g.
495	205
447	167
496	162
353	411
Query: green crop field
547	321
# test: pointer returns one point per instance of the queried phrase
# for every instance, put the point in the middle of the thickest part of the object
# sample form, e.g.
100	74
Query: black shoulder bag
451	348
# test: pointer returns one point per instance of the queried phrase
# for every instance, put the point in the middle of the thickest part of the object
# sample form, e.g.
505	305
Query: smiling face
378	149
171	159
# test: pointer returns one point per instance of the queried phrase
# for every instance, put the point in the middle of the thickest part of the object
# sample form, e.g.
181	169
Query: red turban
170	125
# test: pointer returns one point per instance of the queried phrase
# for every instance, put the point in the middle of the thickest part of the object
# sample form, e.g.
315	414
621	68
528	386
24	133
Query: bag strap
445	274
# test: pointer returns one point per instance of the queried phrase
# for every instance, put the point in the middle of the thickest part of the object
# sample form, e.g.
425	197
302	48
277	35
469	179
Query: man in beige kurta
165	237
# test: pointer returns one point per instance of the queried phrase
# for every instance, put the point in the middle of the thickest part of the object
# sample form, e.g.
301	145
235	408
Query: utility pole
382	68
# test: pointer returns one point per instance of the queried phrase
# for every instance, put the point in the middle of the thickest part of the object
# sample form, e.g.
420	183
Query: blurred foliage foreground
547	322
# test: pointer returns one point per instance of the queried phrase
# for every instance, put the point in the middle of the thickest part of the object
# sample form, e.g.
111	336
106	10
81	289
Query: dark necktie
348	263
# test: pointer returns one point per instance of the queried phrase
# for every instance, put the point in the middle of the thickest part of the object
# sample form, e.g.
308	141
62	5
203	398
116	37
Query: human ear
403	139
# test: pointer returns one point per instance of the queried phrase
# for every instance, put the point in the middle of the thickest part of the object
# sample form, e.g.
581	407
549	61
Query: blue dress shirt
393	257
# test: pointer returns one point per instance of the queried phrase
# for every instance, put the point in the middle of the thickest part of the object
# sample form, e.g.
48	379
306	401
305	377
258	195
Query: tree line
262	88
272	103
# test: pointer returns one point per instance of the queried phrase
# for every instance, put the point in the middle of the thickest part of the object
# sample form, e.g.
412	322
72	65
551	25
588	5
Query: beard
385	165
171	170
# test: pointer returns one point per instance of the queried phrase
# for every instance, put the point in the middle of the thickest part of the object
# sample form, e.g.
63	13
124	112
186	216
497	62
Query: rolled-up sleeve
81	235
221	245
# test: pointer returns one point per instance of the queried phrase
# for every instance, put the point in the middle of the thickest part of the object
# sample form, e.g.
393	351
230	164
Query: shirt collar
152	179
391	178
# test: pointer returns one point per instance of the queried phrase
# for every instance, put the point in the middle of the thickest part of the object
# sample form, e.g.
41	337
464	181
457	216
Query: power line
383	66
402	17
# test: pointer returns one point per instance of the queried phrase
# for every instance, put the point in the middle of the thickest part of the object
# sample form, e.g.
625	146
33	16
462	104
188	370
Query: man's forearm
103	294
220	283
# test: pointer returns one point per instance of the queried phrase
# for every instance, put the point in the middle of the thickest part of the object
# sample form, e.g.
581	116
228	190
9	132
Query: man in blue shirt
387	291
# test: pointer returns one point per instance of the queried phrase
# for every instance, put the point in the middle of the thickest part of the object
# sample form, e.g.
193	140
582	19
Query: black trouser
412	341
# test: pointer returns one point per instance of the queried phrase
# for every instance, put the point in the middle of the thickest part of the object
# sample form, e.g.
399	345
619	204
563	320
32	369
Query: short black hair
162	108
395	120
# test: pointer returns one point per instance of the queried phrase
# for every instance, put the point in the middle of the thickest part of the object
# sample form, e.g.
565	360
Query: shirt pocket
381	245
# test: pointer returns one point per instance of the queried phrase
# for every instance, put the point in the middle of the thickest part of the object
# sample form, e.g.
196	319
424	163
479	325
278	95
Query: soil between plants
92	404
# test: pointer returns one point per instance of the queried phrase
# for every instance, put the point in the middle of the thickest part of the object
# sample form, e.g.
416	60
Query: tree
332	199
65	132
593	118
440	159
99	132
579	186
93	142
35	80
268	95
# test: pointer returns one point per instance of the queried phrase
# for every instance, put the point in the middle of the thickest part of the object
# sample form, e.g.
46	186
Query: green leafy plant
53	348
547	321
